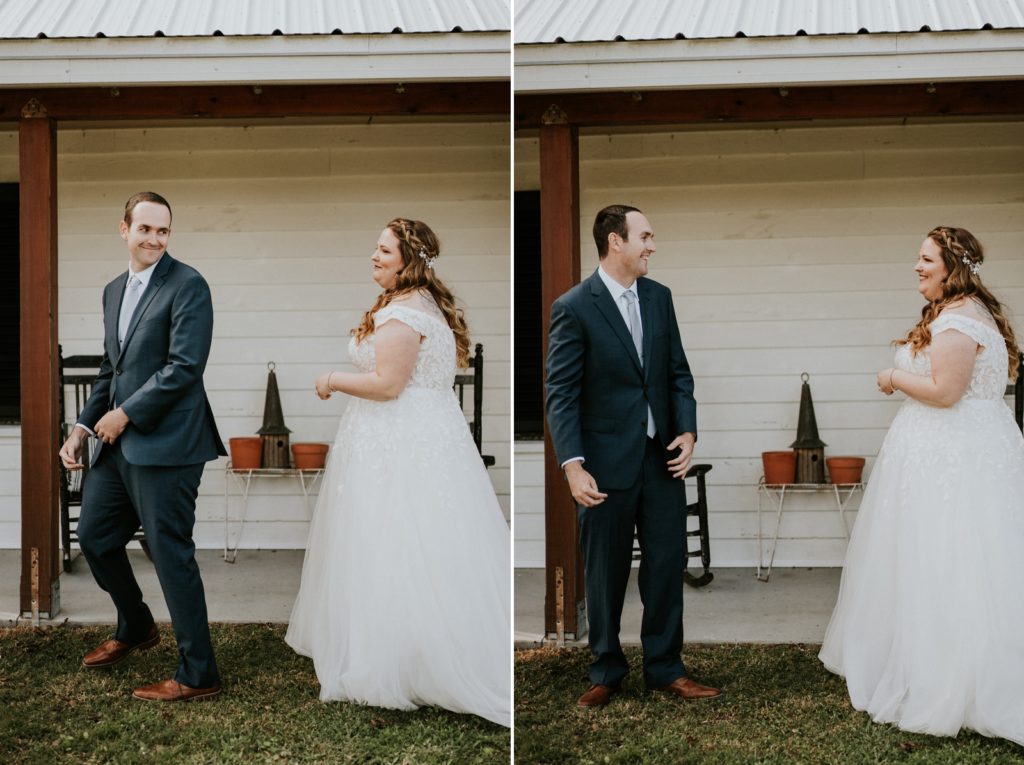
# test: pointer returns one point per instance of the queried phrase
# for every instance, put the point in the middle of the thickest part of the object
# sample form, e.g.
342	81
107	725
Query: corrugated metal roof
545	21
21	19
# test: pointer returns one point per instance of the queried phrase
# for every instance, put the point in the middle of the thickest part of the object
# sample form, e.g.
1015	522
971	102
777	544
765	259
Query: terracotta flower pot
845	469
246	452
779	467
309	456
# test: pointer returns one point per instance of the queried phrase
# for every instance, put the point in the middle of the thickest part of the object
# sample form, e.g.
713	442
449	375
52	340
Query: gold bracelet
891	383
330	388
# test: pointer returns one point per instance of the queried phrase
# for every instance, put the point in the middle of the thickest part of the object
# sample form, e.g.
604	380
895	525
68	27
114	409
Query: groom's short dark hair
143	196
611	220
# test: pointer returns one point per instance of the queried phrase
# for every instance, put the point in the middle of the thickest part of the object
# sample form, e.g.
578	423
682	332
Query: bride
404	599
927	629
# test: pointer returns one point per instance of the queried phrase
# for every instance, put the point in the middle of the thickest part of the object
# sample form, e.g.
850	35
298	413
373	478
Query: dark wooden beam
40	428
267	101
560	270
608	108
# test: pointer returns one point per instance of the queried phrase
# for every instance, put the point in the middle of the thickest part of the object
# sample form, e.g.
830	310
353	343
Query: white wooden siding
281	220
791	249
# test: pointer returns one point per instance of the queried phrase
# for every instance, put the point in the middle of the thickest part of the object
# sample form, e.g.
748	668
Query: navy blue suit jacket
157	375
597	390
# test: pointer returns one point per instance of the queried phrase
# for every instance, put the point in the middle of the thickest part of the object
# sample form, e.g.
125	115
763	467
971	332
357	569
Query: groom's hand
111	425
678	466
582	485
71	452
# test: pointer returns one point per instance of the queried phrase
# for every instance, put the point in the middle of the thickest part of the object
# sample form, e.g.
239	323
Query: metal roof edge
115	19
836	59
222	60
543	21
962	39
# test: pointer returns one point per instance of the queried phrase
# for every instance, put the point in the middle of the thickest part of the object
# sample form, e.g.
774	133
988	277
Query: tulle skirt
928	629
405	593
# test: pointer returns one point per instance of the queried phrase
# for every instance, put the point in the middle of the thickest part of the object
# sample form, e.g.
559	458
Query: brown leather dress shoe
172	690
596	696
114	651
685	688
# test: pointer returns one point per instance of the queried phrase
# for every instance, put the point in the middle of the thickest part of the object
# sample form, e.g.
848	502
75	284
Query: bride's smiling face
931	270
387	259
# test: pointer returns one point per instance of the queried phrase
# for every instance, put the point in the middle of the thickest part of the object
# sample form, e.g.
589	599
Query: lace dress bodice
435	364
988	379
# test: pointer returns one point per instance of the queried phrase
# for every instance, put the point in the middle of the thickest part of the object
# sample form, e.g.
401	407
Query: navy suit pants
655	505
117	498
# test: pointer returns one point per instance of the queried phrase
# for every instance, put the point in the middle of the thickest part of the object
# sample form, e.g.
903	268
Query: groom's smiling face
147	234
629	256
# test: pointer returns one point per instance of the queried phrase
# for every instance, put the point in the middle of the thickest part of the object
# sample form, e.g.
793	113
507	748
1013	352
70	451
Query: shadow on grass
779	705
52	710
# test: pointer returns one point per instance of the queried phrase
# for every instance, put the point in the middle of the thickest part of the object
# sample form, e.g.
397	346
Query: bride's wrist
892	380
330	388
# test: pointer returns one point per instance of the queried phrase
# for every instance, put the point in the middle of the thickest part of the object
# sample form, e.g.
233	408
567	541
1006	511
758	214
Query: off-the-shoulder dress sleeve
418	320
977	330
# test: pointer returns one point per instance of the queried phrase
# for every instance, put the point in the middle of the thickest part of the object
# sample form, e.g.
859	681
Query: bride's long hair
962	255
419	248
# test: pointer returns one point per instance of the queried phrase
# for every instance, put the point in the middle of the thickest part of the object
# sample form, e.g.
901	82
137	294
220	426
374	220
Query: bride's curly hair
419	248
962	254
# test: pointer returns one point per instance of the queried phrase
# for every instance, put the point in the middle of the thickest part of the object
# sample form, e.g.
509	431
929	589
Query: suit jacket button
120	371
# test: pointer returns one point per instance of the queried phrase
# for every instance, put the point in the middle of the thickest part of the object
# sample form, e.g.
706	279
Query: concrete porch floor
259	587
794	606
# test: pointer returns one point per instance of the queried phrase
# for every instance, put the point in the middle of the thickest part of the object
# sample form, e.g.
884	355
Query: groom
623	422
149	410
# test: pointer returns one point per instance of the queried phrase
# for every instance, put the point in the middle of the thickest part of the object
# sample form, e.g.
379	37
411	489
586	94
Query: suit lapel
112	312
155	283
606	306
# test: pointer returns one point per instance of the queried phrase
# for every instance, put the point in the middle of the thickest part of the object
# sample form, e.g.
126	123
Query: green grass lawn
779	706
54	711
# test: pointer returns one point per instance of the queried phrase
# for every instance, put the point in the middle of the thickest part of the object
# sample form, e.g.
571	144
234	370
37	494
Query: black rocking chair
699	510
474	378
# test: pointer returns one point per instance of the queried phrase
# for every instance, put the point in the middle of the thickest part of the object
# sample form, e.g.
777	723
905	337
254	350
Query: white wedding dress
928	629
405	593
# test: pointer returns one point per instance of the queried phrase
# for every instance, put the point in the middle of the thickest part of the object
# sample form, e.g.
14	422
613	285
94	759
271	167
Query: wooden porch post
564	605
40	429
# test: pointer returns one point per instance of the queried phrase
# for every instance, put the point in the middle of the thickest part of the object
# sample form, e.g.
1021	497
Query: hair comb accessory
430	260
975	268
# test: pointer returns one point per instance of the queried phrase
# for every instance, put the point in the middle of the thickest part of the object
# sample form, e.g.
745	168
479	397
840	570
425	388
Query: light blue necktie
131	299
635	330
633	312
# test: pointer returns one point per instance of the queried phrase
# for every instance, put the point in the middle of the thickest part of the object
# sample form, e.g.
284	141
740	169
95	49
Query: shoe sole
197	697
140	647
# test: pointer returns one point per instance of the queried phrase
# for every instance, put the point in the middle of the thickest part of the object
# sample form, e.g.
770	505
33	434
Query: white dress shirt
143	276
